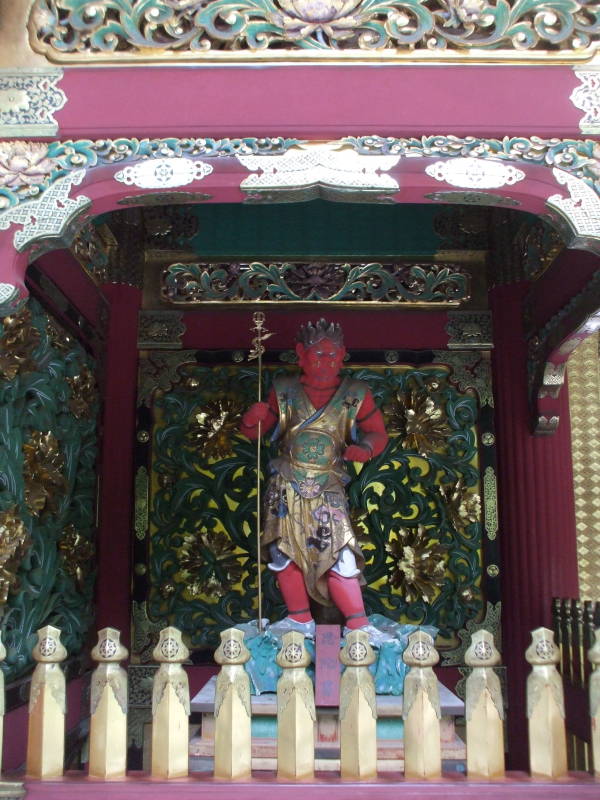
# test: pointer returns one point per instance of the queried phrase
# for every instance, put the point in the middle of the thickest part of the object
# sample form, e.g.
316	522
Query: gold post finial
545	707
108	708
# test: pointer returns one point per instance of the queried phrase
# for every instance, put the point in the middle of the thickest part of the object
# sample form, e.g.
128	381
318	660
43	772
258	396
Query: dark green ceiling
317	228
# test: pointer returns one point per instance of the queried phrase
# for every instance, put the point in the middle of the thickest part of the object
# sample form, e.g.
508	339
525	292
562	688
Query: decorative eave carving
29	98
50	220
276	165
587	98
469	330
550	348
160	330
135	31
93	247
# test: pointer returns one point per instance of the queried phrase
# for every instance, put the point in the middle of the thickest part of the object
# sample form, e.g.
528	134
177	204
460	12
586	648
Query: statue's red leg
347	596
293	589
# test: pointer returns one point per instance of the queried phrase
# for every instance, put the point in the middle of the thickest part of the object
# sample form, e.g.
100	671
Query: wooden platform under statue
390	743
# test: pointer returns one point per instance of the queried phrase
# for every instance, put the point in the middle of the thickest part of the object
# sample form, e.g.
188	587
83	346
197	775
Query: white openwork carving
483	651
475	173
169	648
357	651
47	646
545	649
46	216
163	173
587	98
107	648
7	292
319	165
293	653
582	208
232	649
420	651
28	101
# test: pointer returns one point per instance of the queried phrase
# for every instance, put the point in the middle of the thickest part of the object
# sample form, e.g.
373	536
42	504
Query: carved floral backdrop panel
416	507
48	443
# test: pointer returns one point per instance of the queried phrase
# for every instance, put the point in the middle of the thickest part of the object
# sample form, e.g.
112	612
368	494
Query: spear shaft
258	318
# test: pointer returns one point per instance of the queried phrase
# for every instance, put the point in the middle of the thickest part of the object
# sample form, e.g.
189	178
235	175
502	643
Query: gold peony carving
419	418
209	564
77	553
43	472
60	339
14	542
418	563
17	344
462	507
212	429
83	393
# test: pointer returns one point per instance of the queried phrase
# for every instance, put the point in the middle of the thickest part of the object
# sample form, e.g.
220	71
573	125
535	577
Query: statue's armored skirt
306	511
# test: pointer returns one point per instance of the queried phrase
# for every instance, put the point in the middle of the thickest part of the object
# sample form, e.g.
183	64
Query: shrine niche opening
410	283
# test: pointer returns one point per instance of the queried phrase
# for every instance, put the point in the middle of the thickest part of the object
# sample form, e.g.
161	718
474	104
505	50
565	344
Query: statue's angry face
321	360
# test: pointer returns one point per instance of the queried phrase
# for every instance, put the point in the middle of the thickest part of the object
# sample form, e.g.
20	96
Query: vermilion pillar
116	494
536	506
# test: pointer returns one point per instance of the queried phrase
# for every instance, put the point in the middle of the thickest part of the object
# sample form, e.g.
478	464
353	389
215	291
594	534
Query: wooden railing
575	622
296	708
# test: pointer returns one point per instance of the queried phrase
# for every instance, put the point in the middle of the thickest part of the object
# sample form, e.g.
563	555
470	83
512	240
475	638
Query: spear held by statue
260	335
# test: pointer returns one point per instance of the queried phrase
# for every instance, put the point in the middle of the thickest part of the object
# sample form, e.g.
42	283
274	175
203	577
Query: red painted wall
363	330
320	102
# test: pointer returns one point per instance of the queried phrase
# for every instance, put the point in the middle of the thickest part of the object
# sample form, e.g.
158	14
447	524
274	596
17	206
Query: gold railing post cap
293	653
170	648
357	652
49	649
420	650
482	651
542	651
109	647
232	649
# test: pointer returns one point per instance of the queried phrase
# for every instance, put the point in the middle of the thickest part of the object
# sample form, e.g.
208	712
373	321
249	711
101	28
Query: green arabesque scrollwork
35	406
195	501
315	282
70	30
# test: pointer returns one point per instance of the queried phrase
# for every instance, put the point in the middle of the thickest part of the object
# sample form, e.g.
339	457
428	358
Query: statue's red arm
265	413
